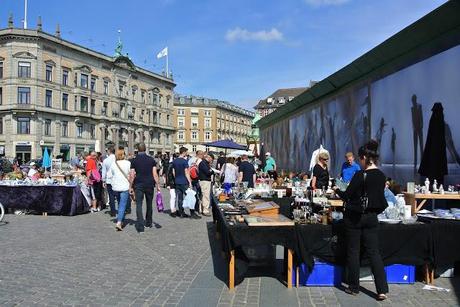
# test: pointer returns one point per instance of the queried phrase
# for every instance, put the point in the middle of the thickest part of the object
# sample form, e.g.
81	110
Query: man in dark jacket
205	173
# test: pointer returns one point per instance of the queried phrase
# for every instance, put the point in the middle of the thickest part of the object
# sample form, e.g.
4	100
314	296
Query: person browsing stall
247	172
320	177
182	180
364	200
349	167
205	173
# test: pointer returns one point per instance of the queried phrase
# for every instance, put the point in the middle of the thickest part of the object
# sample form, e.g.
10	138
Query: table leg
231	270
289	268
297	277
419	206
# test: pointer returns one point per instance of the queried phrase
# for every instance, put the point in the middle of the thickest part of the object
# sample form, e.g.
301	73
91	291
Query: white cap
32	163
268	154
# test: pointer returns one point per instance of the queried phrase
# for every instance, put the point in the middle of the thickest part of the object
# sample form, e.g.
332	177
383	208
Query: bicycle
2	212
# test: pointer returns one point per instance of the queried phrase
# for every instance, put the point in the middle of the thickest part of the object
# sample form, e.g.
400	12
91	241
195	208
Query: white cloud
325	2
245	35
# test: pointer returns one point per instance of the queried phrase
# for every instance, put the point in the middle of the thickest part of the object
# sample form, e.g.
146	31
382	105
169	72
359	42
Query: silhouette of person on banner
417	125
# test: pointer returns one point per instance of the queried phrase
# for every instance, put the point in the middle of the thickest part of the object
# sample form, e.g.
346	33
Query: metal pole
167	64
25	14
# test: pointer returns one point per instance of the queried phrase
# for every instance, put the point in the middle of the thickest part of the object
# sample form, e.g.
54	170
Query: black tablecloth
445	233
399	244
63	200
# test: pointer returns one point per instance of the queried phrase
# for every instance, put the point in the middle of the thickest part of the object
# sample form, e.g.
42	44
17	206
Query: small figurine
441	189
435	186
427	185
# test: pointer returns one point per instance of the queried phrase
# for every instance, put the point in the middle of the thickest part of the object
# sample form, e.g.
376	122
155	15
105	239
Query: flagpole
25	14
167	64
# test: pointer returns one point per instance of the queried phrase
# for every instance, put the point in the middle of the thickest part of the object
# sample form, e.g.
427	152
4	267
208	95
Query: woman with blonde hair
121	184
320	177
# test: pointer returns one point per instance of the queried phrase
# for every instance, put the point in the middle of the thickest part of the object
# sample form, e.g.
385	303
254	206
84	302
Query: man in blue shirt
349	168
182	181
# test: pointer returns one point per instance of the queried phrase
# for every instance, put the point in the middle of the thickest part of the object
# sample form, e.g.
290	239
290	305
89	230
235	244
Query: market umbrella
434	159
262	156
227	144
46	159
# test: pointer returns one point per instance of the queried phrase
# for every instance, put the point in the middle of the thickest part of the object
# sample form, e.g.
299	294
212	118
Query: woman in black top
361	222
320	178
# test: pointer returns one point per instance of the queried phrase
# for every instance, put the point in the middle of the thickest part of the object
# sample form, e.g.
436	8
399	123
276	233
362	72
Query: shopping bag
189	200
160	206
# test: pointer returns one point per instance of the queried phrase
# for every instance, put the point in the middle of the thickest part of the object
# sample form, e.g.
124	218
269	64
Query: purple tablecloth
62	200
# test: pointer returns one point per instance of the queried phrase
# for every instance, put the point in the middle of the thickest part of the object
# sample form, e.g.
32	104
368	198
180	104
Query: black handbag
360	205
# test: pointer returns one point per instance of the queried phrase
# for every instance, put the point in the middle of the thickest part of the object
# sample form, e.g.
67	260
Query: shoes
139	229
348	290
195	216
119	227
207	214
173	214
184	215
148	225
113	214
157	226
94	210
381	297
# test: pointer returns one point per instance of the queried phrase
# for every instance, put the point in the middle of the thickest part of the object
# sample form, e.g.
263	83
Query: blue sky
235	50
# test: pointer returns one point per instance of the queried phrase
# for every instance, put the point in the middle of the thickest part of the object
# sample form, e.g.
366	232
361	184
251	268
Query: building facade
201	120
277	99
65	97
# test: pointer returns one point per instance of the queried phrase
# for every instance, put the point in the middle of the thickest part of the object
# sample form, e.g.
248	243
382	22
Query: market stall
53	198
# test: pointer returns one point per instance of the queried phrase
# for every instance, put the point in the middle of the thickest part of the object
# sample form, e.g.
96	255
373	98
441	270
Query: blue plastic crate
400	274
323	274
326	274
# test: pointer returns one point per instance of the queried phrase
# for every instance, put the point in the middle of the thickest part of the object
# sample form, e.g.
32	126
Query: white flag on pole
162	53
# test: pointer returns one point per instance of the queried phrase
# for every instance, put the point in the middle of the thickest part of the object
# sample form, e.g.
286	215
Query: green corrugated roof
433	33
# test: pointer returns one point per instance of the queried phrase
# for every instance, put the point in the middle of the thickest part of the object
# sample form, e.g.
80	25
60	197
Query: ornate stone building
201	120
63	96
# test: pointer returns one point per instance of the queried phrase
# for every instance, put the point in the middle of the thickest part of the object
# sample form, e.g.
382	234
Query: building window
180	122
120	90
65	77
207	113
24	69
84	80
24	95
1	96
167	119
23	125
65	101
93	84
65	126
207	135
194	122
49	99
104	108
93	106
47	127
180	112
49	73
84	104
143	96
194	135
180	135
106	87
207	123
1	70
193	148
79	130
207	148
93	131
1	125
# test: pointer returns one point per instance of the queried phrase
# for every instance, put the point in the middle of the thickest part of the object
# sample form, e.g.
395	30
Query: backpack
194	172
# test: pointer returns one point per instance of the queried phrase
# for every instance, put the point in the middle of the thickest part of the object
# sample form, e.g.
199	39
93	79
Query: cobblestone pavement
83	261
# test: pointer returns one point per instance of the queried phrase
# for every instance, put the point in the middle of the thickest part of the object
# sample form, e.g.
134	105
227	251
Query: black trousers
140	192
363	228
